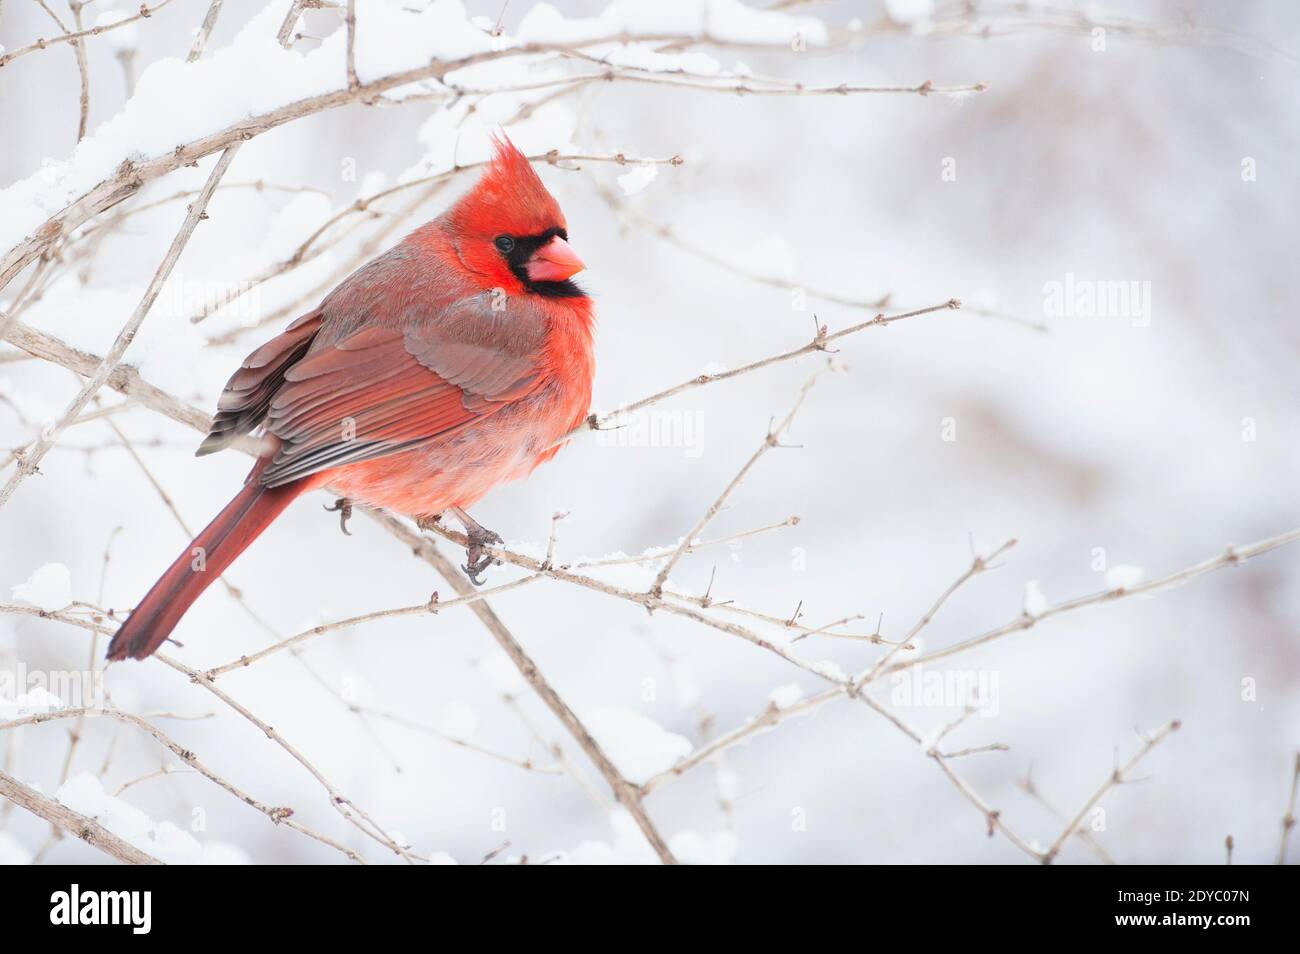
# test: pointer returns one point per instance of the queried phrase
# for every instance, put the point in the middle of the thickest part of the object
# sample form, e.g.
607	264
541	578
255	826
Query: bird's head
510	231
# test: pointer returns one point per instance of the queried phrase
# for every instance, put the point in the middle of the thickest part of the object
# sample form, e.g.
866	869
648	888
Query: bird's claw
479	560
477	537
344	507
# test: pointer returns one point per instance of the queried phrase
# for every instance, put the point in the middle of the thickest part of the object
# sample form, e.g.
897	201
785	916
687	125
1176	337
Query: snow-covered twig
311	247
132	175
278	814
31	460
338	801
75	824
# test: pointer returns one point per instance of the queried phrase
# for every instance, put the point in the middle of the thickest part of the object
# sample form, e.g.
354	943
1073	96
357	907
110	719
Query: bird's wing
384	390
381	389
247	396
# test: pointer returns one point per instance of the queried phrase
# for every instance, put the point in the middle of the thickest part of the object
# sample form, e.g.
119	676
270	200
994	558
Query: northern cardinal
451	363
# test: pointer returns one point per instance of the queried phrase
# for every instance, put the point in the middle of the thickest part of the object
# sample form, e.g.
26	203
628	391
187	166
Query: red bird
450	364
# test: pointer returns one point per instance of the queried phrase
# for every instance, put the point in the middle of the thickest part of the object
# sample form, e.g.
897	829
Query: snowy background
1150	441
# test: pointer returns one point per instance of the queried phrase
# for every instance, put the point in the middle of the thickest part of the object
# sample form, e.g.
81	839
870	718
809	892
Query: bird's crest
508	198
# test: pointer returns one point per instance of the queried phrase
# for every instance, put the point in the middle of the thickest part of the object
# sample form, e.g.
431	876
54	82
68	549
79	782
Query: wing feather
351	383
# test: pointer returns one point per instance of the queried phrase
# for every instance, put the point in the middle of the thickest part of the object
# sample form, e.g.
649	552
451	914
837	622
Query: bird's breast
459	469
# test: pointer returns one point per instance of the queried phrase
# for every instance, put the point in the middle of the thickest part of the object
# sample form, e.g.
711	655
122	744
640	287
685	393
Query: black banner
137	905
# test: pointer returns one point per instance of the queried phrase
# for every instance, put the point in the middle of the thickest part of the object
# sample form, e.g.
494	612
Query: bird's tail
205	559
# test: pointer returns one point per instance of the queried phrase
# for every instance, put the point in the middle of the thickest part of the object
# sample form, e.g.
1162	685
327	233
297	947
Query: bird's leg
344	507
478	537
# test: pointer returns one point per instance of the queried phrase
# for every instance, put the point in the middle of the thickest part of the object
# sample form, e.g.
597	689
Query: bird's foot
429	521
477	537
344	508
479	560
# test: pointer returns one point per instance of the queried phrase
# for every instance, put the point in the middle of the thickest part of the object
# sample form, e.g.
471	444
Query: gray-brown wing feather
397	356
419	387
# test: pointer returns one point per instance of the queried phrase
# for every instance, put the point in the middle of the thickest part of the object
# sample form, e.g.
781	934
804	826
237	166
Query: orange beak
553	262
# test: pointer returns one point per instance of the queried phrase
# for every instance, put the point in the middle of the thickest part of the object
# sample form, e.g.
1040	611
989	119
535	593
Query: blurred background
1164	158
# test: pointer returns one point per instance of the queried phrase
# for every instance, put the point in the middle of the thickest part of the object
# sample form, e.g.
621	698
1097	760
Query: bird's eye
505	243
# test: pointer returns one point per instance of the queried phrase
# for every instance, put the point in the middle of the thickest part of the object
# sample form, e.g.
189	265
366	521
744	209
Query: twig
1288	820
771	716
670	235
627	794
78	825
114	356
290	21
421	609
991	20
1116	777
309	249
710	84
1028	786
79	47
1231	556
132	175
654	554
979	564
401	720
204	31
644	599
341	803
125	380
350	21
41	44
772	440
279	815
824	337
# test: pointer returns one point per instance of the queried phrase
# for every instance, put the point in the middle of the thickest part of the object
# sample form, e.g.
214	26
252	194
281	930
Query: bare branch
1029	787
978	565
819	342
145	11
285	33
1288	820
1117	777
350	22
772	440
628	795
422	609
1231	556
204	31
